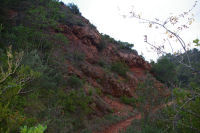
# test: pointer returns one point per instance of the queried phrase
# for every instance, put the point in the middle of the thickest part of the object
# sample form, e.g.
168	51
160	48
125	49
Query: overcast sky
107	16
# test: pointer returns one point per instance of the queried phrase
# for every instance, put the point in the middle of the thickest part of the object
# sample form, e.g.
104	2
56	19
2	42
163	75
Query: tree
173	27
184	115
164	70
13	78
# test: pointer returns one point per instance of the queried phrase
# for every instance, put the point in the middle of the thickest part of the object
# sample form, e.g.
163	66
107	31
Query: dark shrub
77	101
120	68
74	8
125	45
101	45
128	100
75	82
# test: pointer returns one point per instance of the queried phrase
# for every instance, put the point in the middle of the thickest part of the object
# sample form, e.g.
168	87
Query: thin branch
181	107
163	25
24	92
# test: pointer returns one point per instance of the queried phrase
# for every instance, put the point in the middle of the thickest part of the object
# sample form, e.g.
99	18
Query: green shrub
13	79
164	70
144	129
74	9
25	38
101	45
120	68
43	14
75	82
94	91
128	100
125	45
78	56
76	101
60	39
37	129
102	63
108	39
69	18
98	91
50	77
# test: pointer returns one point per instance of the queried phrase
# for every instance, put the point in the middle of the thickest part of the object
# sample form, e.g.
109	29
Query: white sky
106	15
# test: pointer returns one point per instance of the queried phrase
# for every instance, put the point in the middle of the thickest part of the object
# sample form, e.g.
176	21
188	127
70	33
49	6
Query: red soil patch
139	72
122	125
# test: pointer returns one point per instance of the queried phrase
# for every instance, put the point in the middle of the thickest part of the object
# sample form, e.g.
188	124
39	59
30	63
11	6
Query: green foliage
39	18
94	91
13	78
108	39
75	82
125	45
149	96
44	14
143	129
169	70
129	100
78	56
185	117
164	70
30	86
60	39
27	38
74	9
37	129
103	63
98	91
196	42
120	68
121	45
69	18
76	101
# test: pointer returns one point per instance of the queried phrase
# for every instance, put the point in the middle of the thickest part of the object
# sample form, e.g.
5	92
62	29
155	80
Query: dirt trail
122	125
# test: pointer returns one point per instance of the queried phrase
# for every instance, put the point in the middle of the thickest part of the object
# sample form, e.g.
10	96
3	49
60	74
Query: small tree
165	71
13	78
74	8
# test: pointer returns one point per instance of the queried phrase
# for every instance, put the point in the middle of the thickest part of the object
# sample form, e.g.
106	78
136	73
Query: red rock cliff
94	68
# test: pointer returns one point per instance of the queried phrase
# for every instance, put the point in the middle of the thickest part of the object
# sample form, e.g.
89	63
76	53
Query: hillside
58	70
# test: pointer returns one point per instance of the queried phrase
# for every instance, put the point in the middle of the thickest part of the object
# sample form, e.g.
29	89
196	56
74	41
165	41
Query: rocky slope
95	67
109	71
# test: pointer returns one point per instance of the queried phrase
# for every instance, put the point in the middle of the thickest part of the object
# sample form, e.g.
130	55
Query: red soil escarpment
92	59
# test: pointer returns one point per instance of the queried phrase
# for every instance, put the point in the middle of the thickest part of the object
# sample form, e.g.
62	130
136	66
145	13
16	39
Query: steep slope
96	70
85	40
86	79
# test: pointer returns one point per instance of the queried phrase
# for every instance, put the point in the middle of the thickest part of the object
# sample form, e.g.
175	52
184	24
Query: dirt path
122	125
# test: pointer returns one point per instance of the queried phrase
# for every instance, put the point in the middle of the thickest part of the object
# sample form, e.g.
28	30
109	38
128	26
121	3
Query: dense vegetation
184	82
169	70
31	82
37	94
